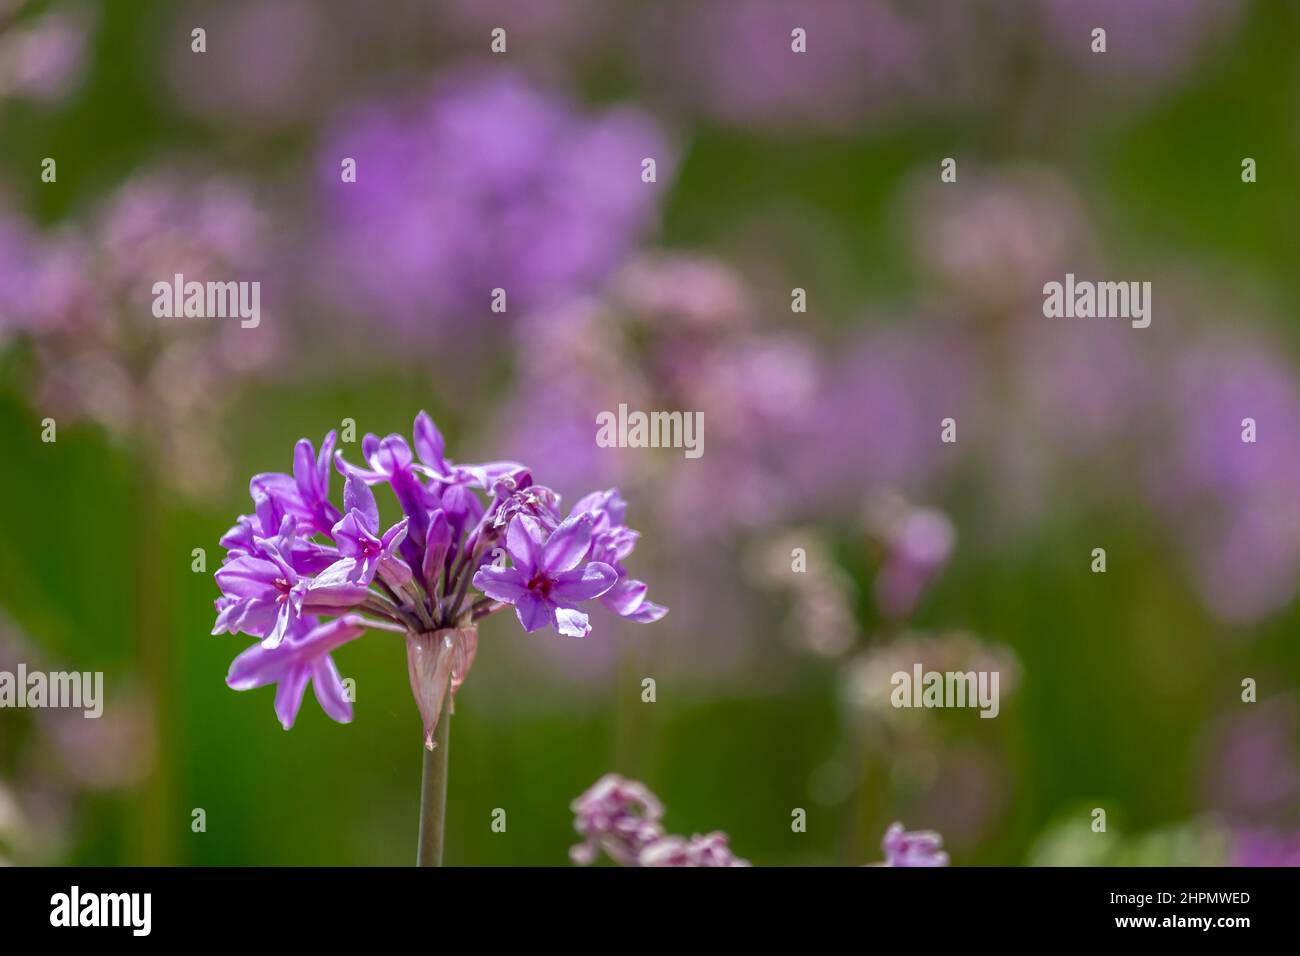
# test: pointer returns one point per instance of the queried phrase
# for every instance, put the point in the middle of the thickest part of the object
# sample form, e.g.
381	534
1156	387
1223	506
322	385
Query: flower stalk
433	795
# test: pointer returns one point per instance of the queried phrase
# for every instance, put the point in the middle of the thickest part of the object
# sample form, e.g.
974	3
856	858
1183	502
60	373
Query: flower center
541	584
282	585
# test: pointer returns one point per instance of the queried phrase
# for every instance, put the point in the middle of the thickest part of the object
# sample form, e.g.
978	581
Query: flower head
298	556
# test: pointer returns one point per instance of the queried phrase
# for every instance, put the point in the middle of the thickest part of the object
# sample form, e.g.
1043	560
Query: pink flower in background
266	65
993	241
672	333
1232	502
732	60
42	58
1148	42
19	252
916	544
877	411
87	303
1250	767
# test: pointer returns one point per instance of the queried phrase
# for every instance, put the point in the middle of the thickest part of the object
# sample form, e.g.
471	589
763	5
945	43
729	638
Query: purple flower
355	535
549	576
622	819
918	848
298	556
303	655
485	182
617	816
264	594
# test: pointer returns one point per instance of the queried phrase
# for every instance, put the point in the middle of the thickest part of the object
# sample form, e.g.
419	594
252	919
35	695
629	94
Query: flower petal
248	577
335	587
288	696
647	613
429	444
437	542
571	622
525	540
590	581
327	685
304	471
256	667
501	584
625	597
533	612
568	544
358	496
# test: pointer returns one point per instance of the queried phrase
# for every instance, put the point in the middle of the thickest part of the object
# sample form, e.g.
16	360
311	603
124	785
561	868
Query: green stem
433	793
154	818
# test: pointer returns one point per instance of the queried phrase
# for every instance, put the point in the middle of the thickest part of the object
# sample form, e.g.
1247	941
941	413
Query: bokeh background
774	170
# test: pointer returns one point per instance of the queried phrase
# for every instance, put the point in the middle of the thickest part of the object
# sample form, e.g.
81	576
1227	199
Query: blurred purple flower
1231	501
733	60
1263	847
899	386
483	183
675	333
993	243
622	819
1147	41
87	304
916	545
265	65
19	253
1251	769
916	848
44	57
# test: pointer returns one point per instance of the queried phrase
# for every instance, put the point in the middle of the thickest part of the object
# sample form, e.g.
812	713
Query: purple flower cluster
623	818
485	183
914	848
299	557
